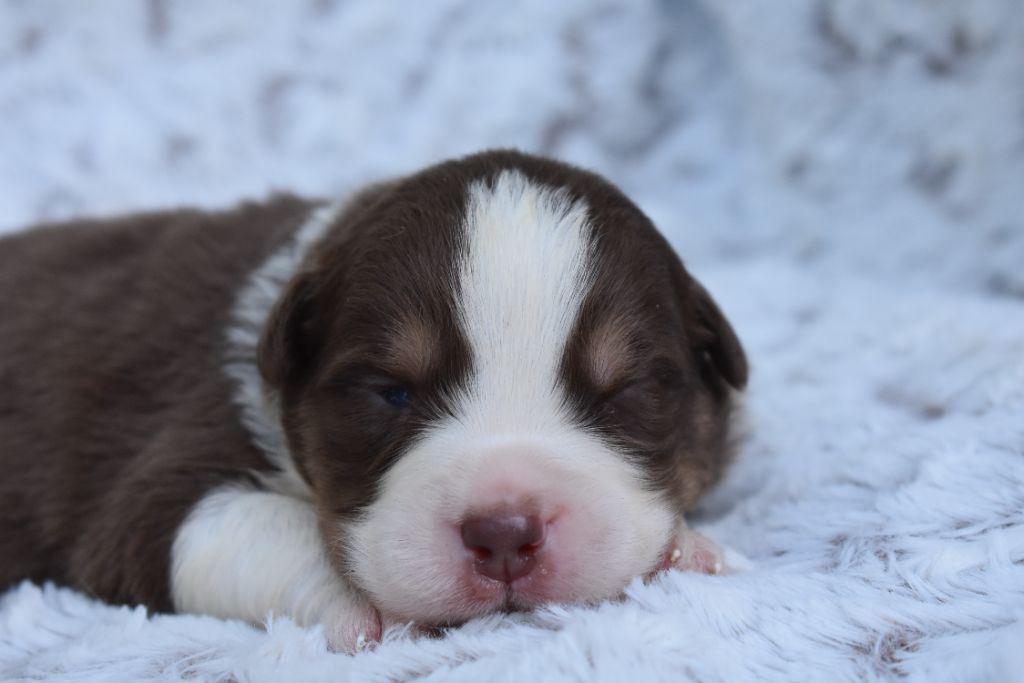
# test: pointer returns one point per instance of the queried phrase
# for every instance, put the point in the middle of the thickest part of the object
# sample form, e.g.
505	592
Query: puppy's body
339	411
116	415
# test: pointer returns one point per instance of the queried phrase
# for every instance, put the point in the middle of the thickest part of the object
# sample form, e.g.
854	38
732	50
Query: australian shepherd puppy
485	386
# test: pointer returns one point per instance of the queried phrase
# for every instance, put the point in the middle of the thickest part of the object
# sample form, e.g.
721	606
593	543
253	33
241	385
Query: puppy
486	386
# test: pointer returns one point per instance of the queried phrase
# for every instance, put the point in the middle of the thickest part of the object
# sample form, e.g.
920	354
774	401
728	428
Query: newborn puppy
482	387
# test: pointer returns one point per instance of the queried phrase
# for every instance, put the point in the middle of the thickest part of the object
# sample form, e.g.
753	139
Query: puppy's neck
257	402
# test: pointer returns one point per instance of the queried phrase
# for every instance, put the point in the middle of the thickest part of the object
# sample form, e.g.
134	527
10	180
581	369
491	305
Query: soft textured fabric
845	178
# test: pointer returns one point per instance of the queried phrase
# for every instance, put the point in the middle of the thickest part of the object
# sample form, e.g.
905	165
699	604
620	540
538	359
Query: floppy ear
289	343
715	338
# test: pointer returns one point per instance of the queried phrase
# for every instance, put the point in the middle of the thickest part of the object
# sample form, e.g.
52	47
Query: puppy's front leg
243	553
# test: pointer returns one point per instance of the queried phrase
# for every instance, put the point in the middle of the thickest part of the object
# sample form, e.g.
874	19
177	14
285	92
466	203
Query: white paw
354	626
692	551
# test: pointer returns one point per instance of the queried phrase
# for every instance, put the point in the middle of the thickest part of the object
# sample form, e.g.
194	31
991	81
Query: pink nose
504	543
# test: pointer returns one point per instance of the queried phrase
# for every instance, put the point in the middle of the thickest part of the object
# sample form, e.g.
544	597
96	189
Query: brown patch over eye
609	354
413	348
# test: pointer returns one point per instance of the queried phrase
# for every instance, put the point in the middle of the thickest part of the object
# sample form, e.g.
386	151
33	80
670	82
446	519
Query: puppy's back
111	348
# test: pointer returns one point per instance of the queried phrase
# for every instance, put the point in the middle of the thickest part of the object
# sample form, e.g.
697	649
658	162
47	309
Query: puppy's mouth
509	603
521	595
514	604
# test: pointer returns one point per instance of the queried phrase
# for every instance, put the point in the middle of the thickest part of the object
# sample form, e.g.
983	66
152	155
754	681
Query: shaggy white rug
846	180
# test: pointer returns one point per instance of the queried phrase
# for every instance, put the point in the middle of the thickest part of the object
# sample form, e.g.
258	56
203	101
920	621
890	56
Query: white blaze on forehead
523	275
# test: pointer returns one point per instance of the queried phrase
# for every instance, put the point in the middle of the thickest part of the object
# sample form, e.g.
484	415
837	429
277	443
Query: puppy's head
502	386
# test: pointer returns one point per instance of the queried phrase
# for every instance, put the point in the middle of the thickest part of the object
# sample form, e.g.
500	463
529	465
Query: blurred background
873	136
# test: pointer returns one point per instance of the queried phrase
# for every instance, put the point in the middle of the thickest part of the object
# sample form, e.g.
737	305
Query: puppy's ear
715	339
288	345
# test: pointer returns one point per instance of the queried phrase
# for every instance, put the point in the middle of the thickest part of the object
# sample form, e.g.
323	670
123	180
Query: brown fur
115	414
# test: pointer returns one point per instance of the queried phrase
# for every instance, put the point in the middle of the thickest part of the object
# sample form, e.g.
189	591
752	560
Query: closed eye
647	404
397	396
664	376
369	382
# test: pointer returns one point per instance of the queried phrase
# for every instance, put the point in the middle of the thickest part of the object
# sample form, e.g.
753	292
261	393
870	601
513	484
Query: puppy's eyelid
398	396
663	373
360	375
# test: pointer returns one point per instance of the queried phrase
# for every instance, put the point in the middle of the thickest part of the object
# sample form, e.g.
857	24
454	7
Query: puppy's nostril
504	544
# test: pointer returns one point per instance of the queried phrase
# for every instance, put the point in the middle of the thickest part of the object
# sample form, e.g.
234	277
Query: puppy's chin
597	527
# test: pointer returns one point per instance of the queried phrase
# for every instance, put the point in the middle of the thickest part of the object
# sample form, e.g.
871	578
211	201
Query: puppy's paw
692	551
353	626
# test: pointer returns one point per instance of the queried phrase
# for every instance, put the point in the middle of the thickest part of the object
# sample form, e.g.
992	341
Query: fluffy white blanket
847	183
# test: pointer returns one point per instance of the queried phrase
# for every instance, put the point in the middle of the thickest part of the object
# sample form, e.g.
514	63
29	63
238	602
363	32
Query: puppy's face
502	387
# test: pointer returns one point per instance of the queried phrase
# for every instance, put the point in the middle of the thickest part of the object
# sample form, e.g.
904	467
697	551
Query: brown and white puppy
485	386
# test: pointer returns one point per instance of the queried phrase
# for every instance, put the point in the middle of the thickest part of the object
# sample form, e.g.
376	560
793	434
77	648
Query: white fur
522	279
246	554
525	270
258	404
